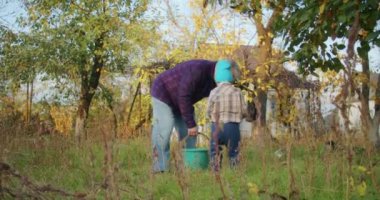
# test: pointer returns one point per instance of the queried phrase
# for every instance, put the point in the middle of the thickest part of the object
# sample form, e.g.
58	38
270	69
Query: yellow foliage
363	32
200	109
362	168
219	25
253	188
62	119
259	80
330	74
258	15
265	3
361	188
322	7
196	4
351	181
361	78
198	21
331	78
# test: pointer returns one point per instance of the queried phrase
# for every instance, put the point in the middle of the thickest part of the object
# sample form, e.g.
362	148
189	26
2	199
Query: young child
226	109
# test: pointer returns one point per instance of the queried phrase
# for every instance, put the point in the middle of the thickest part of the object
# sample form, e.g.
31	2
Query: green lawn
59	162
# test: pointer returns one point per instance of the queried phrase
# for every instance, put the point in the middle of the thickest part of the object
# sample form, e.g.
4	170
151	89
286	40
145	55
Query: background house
332	116
304	98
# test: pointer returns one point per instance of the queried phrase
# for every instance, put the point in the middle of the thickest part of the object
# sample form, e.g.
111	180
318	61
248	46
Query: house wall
354	114
301	103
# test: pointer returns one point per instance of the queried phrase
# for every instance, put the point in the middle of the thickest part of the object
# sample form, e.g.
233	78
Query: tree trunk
365	91
265	40
89	84
374	131
30	100
27	120
265	56
133	102
115	124
371	125
82	113
262	97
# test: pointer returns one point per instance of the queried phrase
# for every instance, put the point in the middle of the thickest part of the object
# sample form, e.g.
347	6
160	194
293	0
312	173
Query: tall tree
17	64
317	30
85	37
264	13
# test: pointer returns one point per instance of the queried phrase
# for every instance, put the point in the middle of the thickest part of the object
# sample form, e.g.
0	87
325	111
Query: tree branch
377	100
79	7
7	170
133	102
166	64
277	11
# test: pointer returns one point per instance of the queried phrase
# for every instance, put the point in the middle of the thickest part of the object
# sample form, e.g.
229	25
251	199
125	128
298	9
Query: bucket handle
204	135
182	142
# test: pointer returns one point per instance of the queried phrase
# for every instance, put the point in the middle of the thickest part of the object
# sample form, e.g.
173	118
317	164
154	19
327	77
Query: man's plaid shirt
226	101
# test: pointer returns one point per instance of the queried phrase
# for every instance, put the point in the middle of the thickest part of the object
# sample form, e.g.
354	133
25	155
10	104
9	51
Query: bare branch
166	64
173	19
34	188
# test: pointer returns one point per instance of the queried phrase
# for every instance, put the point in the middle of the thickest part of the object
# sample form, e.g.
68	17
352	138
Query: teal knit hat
223	71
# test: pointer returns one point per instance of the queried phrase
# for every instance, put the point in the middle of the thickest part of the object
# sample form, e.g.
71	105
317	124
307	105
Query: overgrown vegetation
320	171
84	68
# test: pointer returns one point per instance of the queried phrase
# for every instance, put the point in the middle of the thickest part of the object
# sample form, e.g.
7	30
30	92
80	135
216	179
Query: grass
319	173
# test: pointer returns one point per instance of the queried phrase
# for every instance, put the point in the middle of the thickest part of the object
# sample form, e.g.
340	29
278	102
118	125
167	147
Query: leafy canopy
315	31
75	32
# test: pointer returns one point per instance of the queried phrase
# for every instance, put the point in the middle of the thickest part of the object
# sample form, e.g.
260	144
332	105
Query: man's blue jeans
163	122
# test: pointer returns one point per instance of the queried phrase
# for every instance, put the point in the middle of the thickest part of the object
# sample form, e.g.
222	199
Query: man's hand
192	131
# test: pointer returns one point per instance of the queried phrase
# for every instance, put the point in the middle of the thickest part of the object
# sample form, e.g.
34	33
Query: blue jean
163	122
229	136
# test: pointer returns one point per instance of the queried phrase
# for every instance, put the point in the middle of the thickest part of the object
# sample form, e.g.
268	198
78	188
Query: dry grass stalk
309	142
293	191
216	166
180	169
110	183
263	158
220	183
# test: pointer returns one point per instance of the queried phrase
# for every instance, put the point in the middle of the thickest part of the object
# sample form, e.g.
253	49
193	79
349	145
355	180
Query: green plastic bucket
196	158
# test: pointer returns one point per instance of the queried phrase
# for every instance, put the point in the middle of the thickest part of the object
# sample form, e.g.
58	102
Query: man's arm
185	96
